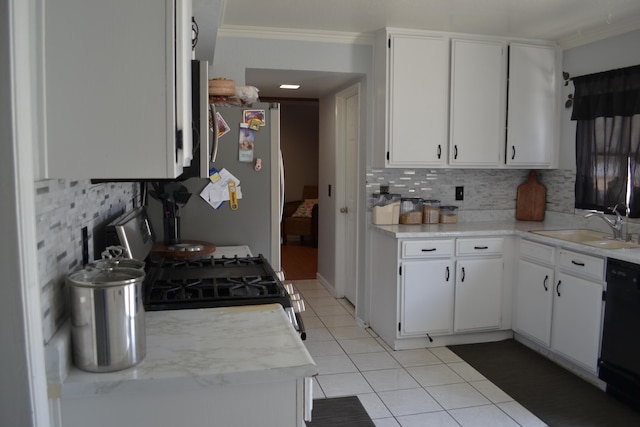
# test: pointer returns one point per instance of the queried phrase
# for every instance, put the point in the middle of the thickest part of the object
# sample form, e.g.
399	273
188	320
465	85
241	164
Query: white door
478	294
534	300
348	111
427	297
478	98
577	313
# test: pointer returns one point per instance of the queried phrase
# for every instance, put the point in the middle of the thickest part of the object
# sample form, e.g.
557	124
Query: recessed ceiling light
287	86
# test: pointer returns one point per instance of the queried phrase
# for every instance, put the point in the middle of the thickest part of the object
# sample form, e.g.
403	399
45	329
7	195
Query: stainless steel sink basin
596	239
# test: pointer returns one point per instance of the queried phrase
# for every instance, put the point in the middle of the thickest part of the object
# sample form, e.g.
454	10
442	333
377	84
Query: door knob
344	210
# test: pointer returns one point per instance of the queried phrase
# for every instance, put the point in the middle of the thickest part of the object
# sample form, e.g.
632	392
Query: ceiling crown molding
295	34
583	37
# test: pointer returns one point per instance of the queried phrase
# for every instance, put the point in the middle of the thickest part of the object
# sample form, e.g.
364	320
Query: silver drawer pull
481	247
578	263
429	250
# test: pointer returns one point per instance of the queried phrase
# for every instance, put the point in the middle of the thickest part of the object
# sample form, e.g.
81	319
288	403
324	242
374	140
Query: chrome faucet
616	225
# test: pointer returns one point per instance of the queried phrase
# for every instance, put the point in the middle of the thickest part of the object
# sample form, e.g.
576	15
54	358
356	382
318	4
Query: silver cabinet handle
544	283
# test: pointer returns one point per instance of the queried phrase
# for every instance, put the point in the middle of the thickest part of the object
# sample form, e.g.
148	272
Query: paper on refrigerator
217	190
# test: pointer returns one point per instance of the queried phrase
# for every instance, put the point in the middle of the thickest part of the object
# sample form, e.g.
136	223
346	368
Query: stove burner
236	261
187	263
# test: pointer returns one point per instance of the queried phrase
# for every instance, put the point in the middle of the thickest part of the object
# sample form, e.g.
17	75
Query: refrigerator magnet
254	124
245	143
223	127
249	115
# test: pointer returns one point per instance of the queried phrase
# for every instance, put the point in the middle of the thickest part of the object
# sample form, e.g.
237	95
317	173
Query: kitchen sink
593	238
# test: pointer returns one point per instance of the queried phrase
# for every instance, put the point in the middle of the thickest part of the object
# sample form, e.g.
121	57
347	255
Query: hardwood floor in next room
299	260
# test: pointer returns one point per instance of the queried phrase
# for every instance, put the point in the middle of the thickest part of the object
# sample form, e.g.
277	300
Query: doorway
299	145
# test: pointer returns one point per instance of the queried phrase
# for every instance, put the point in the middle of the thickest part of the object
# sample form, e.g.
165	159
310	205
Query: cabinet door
418	101
531	125
427	297
118	98
478	299
577	313
478	96
534	297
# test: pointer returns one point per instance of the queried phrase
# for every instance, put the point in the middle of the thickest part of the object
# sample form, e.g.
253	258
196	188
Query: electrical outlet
85	246
459	193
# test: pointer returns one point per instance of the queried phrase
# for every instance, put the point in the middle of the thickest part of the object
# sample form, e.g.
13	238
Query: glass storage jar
431	211
411	210
448	214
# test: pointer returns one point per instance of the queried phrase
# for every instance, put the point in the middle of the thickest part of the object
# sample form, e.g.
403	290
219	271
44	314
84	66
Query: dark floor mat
553	394
339	411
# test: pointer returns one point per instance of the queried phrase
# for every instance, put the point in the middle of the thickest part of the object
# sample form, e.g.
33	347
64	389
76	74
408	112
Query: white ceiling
569	22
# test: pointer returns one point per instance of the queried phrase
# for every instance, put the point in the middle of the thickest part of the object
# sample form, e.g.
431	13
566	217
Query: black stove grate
178	284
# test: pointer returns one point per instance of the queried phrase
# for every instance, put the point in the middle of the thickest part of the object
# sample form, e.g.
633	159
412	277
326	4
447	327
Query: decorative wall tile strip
63	208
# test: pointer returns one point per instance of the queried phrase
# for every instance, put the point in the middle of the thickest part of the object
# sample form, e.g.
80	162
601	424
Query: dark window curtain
607	110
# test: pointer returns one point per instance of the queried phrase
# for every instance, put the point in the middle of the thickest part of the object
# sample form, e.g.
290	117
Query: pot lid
103	278
106	264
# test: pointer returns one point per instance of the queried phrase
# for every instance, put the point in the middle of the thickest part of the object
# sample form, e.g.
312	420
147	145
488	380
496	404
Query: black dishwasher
620	351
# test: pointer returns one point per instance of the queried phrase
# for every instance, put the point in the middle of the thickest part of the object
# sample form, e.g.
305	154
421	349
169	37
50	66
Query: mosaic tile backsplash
63	208
484	189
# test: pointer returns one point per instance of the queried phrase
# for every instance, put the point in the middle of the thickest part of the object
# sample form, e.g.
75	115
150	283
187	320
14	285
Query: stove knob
298	306
289	287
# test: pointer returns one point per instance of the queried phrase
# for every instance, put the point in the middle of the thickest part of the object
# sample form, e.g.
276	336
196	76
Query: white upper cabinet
464	101
415	78
117	83
533	106
478	96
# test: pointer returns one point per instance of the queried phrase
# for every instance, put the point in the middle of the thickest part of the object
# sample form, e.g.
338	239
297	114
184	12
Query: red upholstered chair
300	217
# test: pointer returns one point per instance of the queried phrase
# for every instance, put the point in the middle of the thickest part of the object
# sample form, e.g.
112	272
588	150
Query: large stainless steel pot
107	318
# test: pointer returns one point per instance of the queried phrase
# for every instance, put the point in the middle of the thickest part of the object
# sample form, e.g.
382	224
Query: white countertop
187	349
506	228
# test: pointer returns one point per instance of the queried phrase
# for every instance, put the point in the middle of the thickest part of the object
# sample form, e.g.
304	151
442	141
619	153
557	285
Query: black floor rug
339	411
553	394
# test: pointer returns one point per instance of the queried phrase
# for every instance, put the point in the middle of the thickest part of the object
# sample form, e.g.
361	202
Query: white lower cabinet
577	311
558	301
446	288
534	301
478	299
426	297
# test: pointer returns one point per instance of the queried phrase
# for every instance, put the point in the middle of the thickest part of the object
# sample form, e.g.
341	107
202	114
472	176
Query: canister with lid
448	214
411	210
431	211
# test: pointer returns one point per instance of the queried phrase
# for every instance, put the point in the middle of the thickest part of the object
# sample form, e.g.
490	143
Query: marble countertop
505	228
187	349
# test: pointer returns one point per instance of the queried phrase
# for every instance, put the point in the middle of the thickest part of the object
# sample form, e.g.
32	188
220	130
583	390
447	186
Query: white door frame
21	311
346	263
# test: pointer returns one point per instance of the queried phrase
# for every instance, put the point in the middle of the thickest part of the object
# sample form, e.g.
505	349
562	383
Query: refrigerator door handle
214	137
281	162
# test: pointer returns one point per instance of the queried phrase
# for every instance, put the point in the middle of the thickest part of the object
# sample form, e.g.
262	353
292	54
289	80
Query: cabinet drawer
427	248
481	246
538	252
585	265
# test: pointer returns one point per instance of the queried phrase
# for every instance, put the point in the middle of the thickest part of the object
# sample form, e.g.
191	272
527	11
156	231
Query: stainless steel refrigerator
256	221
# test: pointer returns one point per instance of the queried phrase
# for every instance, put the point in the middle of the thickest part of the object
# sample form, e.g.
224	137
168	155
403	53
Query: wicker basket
222	87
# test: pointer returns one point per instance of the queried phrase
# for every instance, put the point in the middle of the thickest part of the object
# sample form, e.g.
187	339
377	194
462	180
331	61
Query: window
607	110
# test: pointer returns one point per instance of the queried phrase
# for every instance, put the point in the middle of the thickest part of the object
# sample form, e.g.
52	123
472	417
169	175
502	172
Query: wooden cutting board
531	199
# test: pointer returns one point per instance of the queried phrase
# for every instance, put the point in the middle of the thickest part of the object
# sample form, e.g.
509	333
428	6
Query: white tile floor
408	388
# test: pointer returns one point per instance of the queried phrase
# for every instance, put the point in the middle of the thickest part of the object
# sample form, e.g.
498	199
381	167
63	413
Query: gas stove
222	282
230	276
